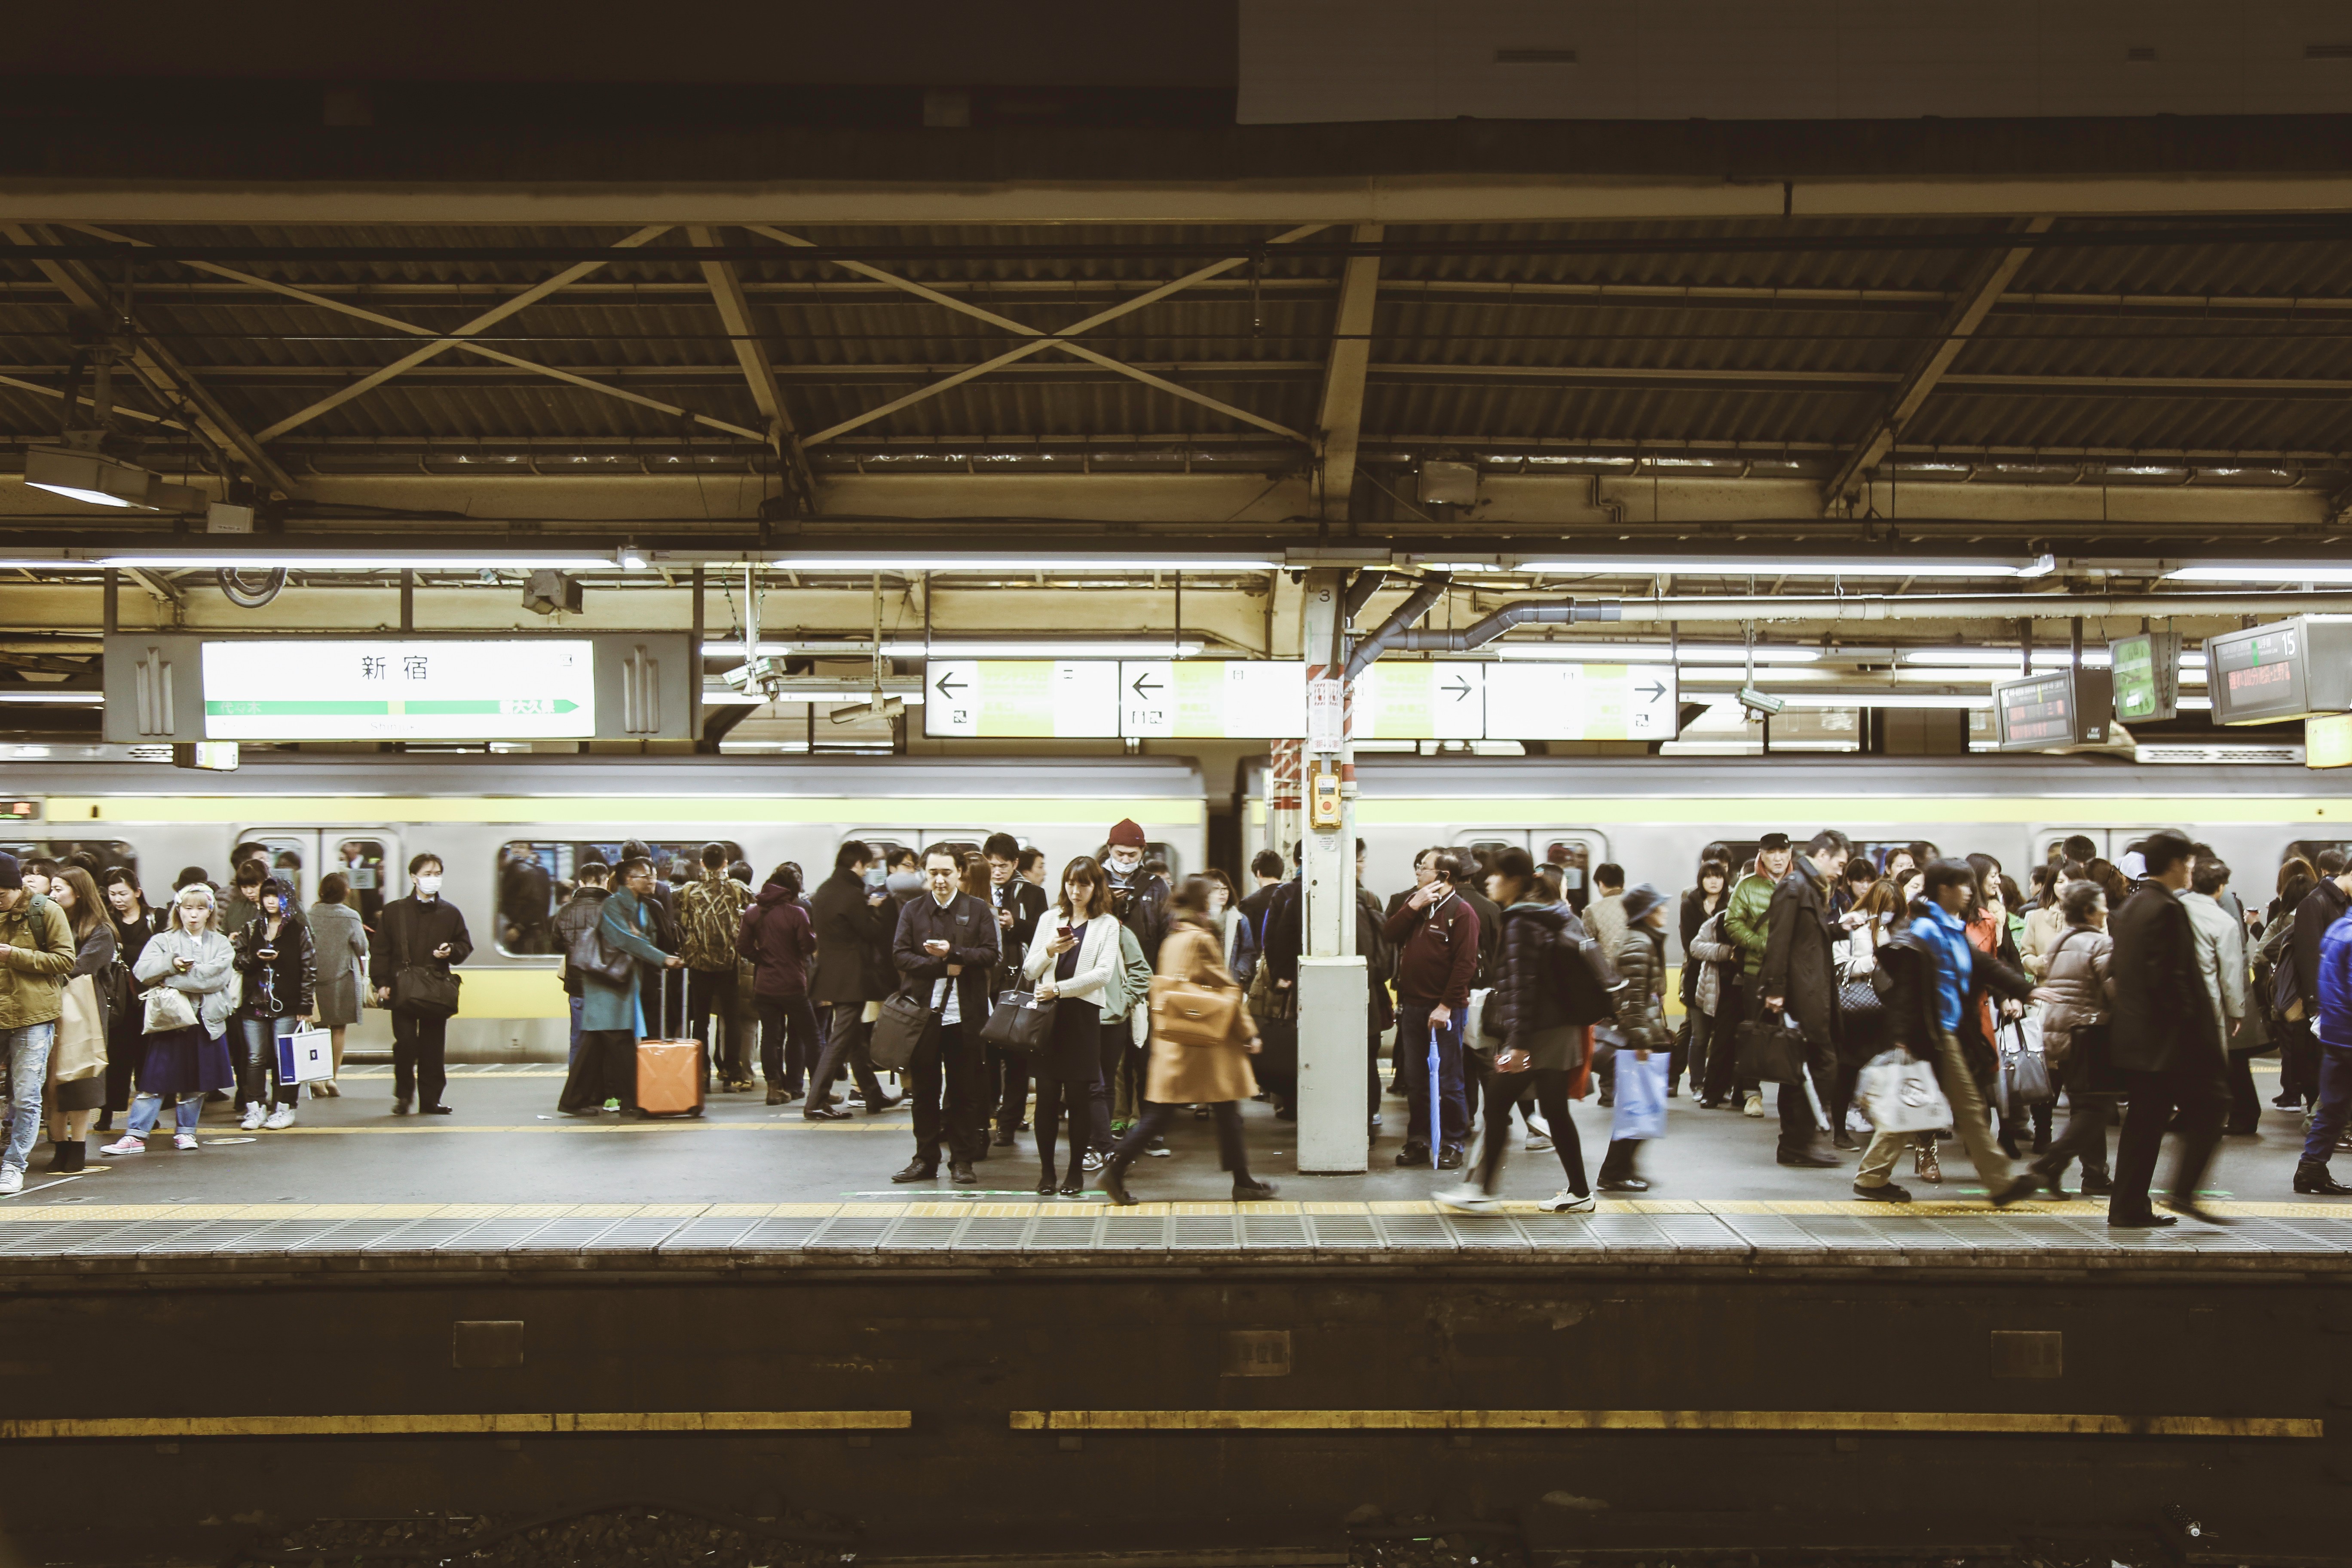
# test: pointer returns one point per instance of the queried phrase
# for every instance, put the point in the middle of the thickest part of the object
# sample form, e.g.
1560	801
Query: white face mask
1125	860
428	885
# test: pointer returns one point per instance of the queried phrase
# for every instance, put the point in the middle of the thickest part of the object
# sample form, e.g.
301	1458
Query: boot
2313	1179
69	1157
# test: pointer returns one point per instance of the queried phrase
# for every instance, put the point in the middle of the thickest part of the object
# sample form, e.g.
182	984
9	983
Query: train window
1882	850
1575	855
535	876
361	863
287	857
2311	849
1171	865
959	848
2050	843
108	852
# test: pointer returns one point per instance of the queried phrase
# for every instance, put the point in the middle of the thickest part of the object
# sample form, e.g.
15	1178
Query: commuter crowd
1897	1001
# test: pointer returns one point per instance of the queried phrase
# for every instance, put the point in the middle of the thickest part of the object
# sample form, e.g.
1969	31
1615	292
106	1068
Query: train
486	817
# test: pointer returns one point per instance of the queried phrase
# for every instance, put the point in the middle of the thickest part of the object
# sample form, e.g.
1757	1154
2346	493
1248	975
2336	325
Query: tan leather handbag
1185	1012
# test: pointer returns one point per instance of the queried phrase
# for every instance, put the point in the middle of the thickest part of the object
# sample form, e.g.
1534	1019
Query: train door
368	859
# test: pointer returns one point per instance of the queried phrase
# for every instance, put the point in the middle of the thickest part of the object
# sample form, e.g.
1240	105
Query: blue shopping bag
1640	1095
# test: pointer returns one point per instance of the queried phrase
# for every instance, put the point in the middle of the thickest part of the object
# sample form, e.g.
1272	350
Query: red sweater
1440	952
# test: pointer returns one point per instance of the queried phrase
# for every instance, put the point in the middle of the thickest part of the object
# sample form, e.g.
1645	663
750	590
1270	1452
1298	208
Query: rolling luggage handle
701	1068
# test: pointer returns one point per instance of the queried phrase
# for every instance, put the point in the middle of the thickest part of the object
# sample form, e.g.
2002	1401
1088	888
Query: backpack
1583	980
2286	988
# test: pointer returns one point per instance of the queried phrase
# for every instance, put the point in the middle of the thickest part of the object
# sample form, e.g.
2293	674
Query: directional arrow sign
1147	710
1401	700
1015	698
948	686
361	688
1580	702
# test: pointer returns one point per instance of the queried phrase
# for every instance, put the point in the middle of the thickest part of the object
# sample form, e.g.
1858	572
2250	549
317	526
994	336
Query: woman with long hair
280	971
1071	961
1700	984
186	1061
1193	1072
339	941
77	1086
133	923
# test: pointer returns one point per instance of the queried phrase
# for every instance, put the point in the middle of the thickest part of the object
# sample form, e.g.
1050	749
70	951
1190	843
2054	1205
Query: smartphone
1069	933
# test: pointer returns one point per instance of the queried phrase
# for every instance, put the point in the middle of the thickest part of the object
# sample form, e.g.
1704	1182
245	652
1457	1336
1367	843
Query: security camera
548	591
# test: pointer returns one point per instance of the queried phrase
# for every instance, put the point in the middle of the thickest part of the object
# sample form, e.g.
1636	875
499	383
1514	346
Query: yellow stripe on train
651	812
1851	813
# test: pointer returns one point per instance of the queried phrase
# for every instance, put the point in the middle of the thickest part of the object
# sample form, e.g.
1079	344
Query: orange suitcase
670	1073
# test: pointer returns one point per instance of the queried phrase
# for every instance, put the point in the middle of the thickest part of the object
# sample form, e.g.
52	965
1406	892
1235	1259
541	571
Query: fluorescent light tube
1716	566
1158	647
79	698
1643	653
381	563
1049	565
2261	571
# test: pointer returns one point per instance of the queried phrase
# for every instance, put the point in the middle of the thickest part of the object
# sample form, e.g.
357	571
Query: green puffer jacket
38	955
1743	919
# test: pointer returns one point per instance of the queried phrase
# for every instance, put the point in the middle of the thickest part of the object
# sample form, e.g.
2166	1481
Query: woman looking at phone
1071	959
274	956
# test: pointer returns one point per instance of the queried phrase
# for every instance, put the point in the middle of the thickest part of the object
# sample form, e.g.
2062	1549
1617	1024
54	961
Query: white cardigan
1098	956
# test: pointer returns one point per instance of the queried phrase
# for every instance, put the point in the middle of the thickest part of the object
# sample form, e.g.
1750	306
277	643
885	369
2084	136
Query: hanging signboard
2074	707
1038	699
1397	700
395	689
1580	701
1212	699
2287	669
2146	673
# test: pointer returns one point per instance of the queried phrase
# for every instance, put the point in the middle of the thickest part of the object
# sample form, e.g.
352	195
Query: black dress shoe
2241	1129
1623	1184
1413	1155
1046	1186
1884	1192
435	1111
1449	1158
962	1173
2149	1220
2097	1183
1842	1138
2198	1213
824	1113
2019	1187
1004	1139
888	1101
916	1171
1253	1192
1115	1187
1809	1158
2312	1179
775	1095
1075	1187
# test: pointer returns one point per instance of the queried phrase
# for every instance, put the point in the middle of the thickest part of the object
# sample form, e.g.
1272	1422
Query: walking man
2167	1041
947	945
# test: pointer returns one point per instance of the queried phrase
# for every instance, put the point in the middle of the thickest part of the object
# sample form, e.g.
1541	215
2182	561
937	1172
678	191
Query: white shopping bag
1900	1094
306	1056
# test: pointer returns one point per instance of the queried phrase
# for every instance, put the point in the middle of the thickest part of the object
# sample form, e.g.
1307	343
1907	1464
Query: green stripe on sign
510	705
279	710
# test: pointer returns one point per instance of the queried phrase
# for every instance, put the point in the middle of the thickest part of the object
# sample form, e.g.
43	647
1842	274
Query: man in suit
1799	976
2165	1041
948	950
853	917
1019	904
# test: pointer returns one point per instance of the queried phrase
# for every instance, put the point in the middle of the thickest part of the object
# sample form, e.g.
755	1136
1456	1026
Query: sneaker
1095	1160
1753	1107
1884	1192
282	1117
253	1115
1858	1124
1538	1126
12	1181
183	1140
128	1144
1469	1198
1567	1202
1158	1149
1539	1143
615	1103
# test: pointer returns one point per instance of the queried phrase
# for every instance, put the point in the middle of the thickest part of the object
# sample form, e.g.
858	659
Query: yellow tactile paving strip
2006	1421
520	1423
84	1213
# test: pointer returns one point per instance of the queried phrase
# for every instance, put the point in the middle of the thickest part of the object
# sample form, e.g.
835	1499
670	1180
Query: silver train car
509	831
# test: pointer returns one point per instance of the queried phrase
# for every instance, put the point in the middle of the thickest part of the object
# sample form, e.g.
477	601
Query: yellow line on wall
1663	1421
1855	814
636	812
500	1425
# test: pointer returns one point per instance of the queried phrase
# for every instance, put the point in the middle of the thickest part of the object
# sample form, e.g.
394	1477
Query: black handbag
1769	1051
1019	1022
591	955
897	1031
422	991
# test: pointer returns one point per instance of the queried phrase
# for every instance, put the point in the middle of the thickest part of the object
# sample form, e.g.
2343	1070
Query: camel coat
1200	1075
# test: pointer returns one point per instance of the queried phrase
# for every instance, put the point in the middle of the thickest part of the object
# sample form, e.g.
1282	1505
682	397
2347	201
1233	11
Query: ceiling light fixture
1718	566
86	474
70	698
1027	565
388	561
2262	571
629	558
1121	647
1642	653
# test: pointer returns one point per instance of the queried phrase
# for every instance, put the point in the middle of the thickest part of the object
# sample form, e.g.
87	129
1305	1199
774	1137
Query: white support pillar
1333	1110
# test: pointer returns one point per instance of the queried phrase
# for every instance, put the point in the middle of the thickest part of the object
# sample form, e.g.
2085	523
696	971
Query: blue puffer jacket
2335	985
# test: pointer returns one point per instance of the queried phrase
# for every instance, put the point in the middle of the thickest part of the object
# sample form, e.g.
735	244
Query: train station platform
504	1183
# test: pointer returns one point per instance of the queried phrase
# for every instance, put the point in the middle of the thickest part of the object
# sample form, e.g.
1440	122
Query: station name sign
402	687
1256	700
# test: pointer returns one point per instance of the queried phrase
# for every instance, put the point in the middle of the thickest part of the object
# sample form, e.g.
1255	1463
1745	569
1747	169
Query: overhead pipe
1538	612
1416	604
